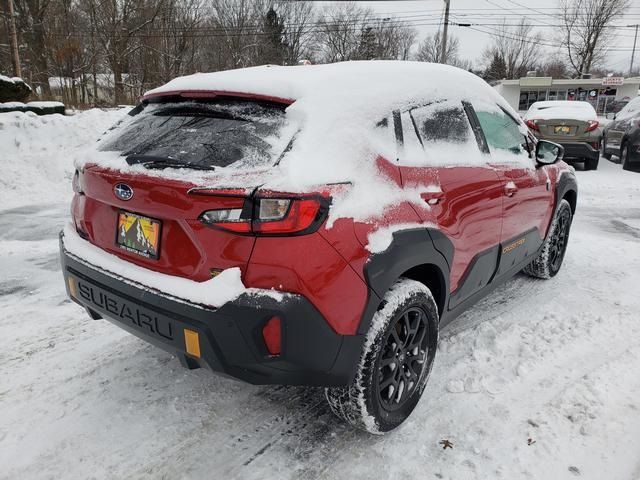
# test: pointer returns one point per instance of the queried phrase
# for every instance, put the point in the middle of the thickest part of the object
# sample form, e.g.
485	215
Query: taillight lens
592	125
532	125
270	216
298	215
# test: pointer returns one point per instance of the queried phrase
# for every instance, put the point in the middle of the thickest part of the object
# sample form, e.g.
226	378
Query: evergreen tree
274	48
497	69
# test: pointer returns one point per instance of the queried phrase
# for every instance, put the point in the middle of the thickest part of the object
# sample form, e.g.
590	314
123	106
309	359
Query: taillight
592	125
532	125
269	216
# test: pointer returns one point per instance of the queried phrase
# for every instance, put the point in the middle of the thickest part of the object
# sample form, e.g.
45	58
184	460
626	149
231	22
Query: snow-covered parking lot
540	380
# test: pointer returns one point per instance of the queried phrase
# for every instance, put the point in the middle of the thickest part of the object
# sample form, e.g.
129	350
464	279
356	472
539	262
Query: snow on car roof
561	109
333	116
390	83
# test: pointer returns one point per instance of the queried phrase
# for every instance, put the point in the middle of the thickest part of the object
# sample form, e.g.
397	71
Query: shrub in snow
13	89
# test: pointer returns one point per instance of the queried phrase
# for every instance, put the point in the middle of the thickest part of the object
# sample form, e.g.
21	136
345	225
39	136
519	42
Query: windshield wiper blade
153	161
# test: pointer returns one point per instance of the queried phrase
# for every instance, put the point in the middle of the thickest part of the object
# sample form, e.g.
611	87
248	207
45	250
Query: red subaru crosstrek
314	225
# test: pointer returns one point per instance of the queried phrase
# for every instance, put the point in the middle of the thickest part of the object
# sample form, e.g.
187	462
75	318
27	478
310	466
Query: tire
549	261
624	157
404	330
591	163
603	148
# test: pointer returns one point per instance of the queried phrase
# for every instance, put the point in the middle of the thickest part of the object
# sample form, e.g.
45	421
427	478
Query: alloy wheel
559	240
402	360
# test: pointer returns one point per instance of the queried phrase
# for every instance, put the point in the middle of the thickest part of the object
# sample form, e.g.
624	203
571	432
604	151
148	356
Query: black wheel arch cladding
409	249
567	188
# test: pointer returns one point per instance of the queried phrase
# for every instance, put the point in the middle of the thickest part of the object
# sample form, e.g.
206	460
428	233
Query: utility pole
633	52
443	53
13	39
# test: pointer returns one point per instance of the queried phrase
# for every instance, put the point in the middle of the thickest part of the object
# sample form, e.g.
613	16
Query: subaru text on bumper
229	340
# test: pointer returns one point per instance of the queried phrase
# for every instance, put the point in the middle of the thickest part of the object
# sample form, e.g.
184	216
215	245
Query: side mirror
548	153
610	116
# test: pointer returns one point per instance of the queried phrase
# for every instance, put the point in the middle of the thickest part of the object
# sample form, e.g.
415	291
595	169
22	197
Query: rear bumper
230	337
580	150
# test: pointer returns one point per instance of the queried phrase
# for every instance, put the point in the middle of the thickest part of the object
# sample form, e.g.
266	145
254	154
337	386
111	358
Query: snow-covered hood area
334	115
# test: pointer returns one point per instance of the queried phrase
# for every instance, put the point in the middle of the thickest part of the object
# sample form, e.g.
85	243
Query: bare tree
430	48
554	67
237	24
299	19
393	40
518	46
119	25
405	42
31	22
340	31
585	22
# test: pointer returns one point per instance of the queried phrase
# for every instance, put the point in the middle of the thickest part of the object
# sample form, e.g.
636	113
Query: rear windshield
236	134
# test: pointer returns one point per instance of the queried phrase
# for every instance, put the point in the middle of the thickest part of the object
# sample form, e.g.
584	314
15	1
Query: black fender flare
409	248
567	184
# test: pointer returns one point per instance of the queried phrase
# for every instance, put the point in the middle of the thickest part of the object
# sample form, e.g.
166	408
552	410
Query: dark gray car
621	136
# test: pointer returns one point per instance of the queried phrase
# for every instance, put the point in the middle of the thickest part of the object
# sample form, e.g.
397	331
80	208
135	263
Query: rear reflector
73	290
272	335
192	342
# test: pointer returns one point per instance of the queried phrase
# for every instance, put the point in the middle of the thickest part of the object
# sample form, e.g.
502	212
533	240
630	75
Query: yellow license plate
138	234
562	129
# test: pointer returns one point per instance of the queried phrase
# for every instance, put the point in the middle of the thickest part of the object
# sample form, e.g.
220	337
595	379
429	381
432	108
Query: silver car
572	124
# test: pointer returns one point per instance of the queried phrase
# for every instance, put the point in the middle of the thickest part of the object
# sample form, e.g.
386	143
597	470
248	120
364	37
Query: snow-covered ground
540	380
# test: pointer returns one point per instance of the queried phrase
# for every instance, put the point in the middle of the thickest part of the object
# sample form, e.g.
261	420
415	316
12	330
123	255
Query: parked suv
621	136
199	228
572	124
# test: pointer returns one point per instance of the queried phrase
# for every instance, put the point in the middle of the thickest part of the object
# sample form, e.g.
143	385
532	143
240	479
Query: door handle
510	189
432	198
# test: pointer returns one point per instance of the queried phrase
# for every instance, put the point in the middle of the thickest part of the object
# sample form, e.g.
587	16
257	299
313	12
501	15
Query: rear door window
204	134
439	134
438	123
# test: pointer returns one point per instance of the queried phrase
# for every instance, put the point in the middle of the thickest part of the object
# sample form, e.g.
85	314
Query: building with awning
600	92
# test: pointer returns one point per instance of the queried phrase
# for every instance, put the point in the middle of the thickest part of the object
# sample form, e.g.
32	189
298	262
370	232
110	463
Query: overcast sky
424	14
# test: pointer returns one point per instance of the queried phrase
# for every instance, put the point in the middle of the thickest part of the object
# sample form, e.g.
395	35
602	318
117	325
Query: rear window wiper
154	161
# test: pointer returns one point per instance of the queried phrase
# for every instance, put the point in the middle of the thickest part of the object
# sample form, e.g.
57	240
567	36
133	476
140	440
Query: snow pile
37	153
216	292
4	78
31	104
560	109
